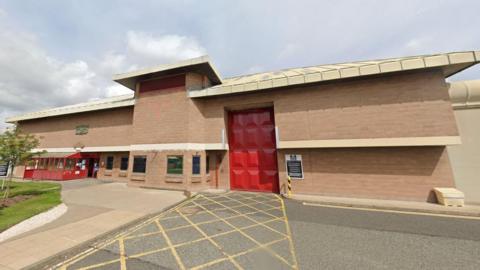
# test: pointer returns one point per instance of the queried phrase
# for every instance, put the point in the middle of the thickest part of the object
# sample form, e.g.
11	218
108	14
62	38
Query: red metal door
252	147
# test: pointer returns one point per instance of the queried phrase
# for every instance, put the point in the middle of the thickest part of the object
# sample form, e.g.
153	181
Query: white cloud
116	90
32	79
165	48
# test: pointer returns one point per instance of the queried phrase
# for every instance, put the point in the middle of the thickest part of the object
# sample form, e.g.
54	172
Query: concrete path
94	208
236	230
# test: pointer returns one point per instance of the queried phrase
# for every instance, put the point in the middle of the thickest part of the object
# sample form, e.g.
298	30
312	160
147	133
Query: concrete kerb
366	206
57	259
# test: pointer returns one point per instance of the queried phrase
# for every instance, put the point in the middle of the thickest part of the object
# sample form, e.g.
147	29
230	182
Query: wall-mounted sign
81	129
294	166
3	169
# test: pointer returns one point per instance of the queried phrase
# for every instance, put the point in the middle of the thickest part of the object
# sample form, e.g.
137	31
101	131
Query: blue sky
55	53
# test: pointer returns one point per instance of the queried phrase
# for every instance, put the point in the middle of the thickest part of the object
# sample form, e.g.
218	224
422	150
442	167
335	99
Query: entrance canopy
66	155
59	155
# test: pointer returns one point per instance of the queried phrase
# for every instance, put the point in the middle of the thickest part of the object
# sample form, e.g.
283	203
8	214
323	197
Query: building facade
465	158
370	129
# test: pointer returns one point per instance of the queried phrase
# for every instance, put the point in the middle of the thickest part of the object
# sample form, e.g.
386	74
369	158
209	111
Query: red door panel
253	154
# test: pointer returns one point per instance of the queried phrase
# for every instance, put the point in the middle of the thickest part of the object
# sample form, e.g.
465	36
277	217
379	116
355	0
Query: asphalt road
237	230
241	230
338	238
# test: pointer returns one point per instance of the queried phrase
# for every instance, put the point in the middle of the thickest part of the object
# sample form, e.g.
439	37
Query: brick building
372	129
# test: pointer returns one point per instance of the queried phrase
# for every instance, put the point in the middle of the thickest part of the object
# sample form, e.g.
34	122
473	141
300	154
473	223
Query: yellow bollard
289	187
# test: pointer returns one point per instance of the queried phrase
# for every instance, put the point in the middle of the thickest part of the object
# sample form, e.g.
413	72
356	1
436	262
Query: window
109	163
60	164
30	165
57	161
69	164
124	164
139	164
196	165
207	166
81	130
174	164
43	164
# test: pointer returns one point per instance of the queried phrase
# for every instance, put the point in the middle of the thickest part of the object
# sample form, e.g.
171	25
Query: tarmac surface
237	230
242	230
342	238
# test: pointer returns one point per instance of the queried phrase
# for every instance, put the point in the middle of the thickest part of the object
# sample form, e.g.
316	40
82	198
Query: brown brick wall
106	128
402	173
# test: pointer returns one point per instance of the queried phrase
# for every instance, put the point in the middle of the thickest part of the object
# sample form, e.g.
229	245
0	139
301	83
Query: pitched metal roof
201	65
101	104
450	63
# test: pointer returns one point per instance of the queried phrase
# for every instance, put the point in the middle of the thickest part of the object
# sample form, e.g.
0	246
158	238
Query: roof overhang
96	105
449	63
57	155
200	65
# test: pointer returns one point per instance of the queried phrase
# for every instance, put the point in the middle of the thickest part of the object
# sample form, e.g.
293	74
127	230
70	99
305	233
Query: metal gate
252	150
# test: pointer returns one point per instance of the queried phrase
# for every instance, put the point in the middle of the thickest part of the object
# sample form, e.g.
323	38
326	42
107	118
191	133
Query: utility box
450	196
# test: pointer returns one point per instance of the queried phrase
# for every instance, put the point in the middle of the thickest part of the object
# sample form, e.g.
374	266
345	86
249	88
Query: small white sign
294	166
77	172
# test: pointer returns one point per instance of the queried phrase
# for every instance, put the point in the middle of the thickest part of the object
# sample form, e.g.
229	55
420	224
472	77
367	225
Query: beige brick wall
161	117
115	174
398	105
402	173
106	128
401	105
156	171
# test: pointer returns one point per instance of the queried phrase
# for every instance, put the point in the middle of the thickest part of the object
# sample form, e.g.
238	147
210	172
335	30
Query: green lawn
46	196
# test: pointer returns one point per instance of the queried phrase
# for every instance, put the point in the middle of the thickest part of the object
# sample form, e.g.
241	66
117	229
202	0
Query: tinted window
139	164
109	163
174	164
196	165
124	164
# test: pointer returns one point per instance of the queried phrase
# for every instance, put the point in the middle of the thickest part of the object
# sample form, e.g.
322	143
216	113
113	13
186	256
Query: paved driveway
94	209
222	231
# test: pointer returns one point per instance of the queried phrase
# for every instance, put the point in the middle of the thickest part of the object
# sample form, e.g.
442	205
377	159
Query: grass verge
45	196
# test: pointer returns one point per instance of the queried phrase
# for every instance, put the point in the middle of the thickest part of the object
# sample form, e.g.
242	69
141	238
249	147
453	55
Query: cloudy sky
59	52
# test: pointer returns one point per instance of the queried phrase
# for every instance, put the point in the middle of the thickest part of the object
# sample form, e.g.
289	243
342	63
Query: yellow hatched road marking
191	242
213	242
169	243
249	237
121	237
238	254
251	219
292	248
199	223
114	238
121	245
249	205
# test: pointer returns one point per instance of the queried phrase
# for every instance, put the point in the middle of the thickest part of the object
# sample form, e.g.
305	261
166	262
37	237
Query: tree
15	149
